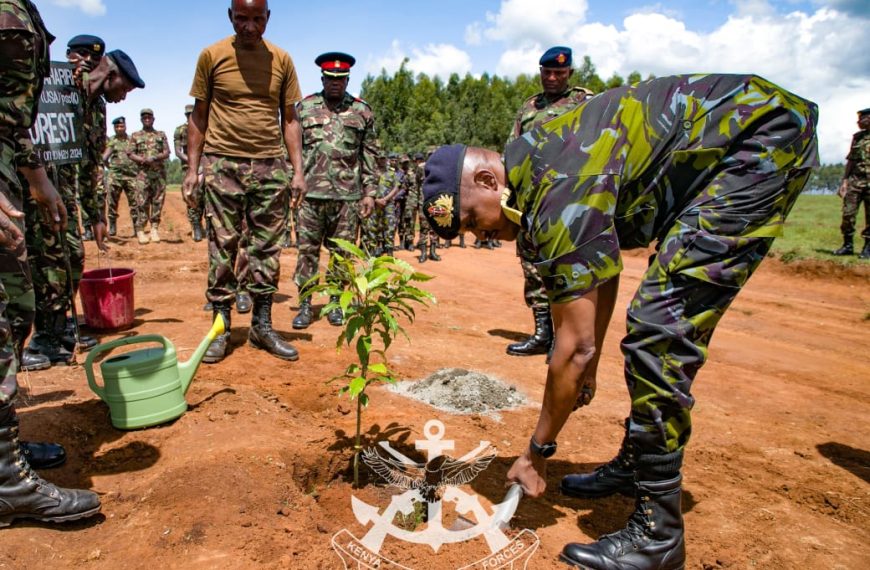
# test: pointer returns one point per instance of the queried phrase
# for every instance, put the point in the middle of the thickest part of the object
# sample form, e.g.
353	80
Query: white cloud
440	60
473	34
822	56
90	7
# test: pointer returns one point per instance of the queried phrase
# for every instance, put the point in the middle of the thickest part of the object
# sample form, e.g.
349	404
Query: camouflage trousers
534	291
409	223
17	304
426	233
152	191
398	225
116	183
698	269
319	221
377	230
857	194
45	248
194	215
244	209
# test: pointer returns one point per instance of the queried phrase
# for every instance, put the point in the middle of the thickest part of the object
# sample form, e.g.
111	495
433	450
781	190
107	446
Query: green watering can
146	387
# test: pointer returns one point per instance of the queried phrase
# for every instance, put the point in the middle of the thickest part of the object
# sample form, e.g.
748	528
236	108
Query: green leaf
363	348
364	400
356	386
421	277
362	284
378	368
352	326
346	298
349	247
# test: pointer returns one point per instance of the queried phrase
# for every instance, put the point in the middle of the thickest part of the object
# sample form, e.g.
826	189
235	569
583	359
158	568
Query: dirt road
255	474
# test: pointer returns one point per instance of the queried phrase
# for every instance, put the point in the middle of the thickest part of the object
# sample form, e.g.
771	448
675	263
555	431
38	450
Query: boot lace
639	528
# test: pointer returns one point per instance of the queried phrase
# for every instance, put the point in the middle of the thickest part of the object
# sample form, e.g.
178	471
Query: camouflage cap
188	109
87	42
118	120
146	111
441	183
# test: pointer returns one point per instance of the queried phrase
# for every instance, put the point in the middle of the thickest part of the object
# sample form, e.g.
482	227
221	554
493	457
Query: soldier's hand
530	471
844	187
380	203
366	205
10	235
298	189
190	189
48	199
587	392
100	236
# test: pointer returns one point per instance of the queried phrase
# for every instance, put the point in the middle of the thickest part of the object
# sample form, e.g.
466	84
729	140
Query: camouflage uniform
536	110
426	232
858	191
376	229
708	165
121	177
194	215
21	80
151	180
413	200
338	153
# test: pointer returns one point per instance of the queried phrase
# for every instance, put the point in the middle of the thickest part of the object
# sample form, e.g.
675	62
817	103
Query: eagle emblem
442	211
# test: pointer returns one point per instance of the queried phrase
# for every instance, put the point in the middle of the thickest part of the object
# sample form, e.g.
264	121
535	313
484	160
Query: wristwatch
544	450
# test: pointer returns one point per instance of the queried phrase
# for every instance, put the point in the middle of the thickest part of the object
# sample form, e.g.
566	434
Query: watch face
548	450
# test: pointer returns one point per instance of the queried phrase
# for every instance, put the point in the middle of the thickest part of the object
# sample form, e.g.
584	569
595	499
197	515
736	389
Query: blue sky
816	48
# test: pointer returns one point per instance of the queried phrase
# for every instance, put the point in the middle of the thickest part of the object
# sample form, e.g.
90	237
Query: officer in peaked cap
335	63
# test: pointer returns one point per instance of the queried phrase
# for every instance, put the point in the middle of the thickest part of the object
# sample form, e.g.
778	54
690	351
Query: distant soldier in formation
339	153
239	133
556	98
412	202
150	150
376	230
428	237
194	214
855	188
121	176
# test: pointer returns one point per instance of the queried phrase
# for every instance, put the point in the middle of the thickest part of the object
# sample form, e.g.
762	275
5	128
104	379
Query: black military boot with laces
652	539
335	317
303	318
262	335
616	476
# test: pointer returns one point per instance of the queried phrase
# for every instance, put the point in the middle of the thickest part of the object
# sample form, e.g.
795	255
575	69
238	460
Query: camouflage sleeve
369	152
176	138
17	81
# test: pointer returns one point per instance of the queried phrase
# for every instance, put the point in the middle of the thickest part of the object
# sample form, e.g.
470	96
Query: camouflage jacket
25	61
386	183
180	140
621	168
90	169
150	144
859	159
415	193
539	109
119	160
338	148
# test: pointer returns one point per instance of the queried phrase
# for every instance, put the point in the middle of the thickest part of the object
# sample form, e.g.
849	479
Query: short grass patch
812	231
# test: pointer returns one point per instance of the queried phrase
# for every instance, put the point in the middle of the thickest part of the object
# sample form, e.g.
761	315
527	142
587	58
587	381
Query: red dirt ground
255	474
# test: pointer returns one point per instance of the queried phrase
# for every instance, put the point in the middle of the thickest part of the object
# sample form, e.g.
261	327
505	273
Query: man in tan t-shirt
245	90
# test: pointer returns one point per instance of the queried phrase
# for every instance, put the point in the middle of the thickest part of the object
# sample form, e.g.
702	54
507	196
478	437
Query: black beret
335	63
864	111
125	64
558	56
418	156
117	120
443	175
91	43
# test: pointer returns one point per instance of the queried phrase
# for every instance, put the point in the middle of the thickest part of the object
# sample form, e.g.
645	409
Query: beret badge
442	211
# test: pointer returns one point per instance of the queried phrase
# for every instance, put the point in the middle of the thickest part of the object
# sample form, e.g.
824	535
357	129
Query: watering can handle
89	362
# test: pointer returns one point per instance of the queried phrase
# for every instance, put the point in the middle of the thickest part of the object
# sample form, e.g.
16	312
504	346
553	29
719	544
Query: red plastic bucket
107	298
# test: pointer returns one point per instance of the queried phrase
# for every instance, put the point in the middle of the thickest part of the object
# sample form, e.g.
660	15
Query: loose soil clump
462	391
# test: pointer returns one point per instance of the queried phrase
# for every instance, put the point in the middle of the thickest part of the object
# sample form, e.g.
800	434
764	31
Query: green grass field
812	231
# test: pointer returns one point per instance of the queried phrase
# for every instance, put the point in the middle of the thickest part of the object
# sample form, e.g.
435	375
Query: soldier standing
428	238
855	188
150	150
194	215
375	230
706	165
555	99
121	175
23	493
236	131
339	152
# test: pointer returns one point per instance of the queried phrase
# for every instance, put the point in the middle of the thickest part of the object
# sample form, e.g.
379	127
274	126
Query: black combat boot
423	257
432	255
262	335
243	302
408	243
478	243
539	342
462	241
25	495
198	231
31	361
865	253
335	317
487	243
847	248
220	346
46	339
652	539
448	243
69	338
616	476
303	319
41	455
113	228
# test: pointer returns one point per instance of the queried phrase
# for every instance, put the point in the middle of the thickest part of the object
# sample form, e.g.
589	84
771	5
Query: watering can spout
186	370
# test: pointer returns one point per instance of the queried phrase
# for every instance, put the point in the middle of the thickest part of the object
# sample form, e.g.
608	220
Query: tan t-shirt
245	90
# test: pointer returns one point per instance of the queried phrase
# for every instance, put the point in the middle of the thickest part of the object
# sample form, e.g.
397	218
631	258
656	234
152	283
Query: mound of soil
463	391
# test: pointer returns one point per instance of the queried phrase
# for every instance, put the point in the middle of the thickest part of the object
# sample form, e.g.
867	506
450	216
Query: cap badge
561	58
442	211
